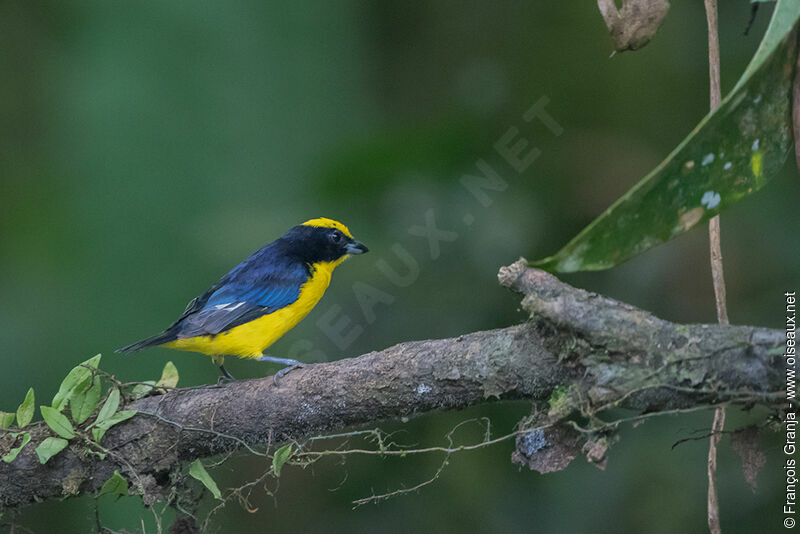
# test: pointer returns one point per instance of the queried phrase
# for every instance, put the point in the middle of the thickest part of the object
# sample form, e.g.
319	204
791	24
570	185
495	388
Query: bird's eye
336	236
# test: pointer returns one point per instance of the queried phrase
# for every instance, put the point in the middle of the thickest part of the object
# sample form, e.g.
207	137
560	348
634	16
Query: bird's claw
226	376
283	372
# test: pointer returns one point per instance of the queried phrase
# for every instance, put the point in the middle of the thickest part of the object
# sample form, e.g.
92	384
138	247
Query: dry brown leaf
547	450
745	443
632	26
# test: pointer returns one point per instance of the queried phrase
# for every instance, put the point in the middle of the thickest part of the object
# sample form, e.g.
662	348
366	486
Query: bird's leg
288	362
218	360
284	361
226	375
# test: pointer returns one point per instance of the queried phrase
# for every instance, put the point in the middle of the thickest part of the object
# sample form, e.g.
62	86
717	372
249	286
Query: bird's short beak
356	247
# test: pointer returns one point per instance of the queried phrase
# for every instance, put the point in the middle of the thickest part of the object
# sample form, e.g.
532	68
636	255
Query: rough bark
599	351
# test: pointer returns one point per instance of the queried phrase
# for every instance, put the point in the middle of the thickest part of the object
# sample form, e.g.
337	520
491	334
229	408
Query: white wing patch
229	306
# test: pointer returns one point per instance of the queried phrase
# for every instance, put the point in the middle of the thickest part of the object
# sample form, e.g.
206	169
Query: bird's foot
226	376
288	362
283	372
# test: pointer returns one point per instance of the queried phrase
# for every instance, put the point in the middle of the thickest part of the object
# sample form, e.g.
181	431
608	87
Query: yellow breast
249	340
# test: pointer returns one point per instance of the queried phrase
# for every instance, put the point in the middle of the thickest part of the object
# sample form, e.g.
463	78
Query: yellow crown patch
322	222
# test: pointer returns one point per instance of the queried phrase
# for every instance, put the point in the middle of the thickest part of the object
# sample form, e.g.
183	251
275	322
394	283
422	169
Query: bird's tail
163	337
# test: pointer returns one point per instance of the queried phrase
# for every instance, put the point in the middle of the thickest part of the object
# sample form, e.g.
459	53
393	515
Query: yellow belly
249	340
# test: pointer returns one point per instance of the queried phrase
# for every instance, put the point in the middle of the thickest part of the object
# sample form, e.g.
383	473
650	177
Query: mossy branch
579	353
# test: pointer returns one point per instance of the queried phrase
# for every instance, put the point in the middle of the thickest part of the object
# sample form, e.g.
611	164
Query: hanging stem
717	273
715	93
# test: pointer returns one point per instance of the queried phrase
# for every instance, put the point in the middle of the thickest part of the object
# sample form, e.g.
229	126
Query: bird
262	298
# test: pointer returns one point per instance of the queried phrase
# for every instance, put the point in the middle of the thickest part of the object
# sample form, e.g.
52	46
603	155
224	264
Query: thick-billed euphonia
262	298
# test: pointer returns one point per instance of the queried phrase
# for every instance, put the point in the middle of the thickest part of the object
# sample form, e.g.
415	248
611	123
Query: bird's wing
241	297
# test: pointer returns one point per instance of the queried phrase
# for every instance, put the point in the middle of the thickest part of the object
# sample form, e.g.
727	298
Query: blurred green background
146	148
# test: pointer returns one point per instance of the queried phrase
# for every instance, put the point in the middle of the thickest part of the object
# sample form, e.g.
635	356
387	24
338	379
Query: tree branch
594	351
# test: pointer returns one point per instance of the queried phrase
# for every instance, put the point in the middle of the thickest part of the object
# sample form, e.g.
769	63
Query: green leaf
142	390
100	455
169	376
197	470
280	457
115	486
75	379
6	419
11	455
109	407
49	448
731	154
58	422
102	426
118	417
25	410
83	402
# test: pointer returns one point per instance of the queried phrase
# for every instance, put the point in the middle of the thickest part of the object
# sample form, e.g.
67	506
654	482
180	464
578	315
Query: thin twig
715	94
241	442
713	500
717	273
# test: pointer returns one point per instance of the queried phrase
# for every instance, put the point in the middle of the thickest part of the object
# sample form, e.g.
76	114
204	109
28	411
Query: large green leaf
732	153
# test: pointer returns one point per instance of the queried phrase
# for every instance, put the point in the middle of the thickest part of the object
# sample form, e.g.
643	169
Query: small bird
262	298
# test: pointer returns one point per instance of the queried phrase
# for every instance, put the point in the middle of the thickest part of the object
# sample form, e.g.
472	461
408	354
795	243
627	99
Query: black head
322	240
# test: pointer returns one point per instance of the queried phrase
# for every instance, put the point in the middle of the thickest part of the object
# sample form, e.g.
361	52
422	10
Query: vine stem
717	273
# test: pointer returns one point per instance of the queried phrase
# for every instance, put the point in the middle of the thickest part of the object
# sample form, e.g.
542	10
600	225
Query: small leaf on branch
83	402
115	486
109	407
169	376
76	378
25	410
102	426
58	422
12	454
142	390
280	457
49	448
197	470
6	419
